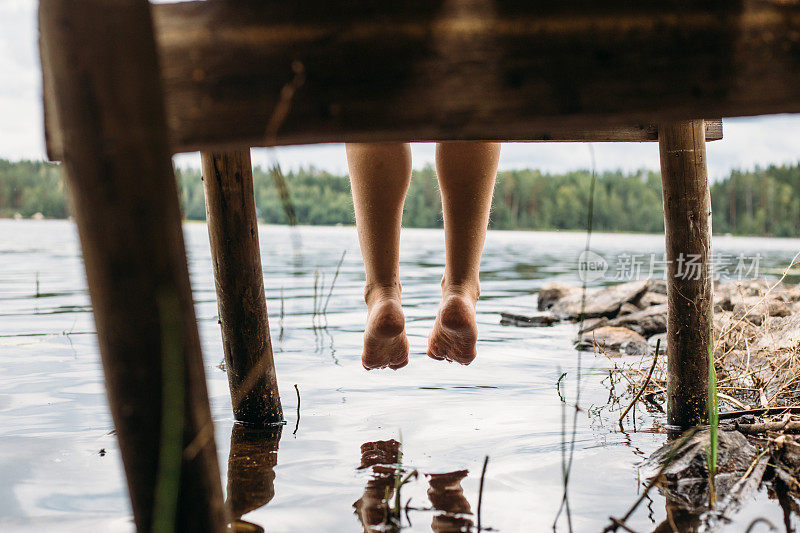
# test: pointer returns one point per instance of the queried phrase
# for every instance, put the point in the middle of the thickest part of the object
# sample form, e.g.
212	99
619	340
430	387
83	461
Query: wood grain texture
239	74
100	60
467	69
687	221
239	280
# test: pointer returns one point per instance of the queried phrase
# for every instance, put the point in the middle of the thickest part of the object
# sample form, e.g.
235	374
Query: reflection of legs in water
444	492
466	172
251	472
446	495
379	178
372	508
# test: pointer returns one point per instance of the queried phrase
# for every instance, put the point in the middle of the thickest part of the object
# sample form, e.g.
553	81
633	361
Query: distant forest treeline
765	201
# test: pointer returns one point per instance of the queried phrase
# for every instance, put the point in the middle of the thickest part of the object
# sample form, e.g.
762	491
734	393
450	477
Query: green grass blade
172	397
713	423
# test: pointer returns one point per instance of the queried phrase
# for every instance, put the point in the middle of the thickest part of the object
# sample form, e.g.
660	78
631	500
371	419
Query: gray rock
779	333
652	298
551	292
646	322
614	339
658	286
686	477
725	324
524	321
727	295
600	302
786	458
627	308
793	293
592	323
755	308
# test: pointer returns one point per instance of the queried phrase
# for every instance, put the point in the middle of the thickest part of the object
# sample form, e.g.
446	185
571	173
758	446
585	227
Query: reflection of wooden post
251	468
687	220
678	518
233	231
100	61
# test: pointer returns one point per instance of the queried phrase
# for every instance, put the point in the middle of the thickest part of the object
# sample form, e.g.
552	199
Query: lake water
60	466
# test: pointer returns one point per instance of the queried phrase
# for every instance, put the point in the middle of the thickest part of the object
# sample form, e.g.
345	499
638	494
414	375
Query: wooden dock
128	84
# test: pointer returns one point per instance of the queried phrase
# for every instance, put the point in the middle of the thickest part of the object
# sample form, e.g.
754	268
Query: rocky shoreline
757	359
630	318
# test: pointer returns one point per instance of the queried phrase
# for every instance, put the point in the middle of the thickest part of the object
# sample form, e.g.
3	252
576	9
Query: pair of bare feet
453	338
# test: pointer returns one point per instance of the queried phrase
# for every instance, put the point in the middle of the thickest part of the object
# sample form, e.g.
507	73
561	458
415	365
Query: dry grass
756	349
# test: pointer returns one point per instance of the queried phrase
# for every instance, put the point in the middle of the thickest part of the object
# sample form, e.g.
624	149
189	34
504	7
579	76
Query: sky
747	141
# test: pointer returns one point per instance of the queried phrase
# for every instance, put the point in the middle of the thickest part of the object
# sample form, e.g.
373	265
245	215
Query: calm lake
60	468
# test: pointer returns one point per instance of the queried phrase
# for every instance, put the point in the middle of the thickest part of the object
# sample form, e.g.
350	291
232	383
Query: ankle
376	292
469	289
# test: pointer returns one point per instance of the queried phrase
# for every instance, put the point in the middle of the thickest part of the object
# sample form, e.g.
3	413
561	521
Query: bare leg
467	171
379	178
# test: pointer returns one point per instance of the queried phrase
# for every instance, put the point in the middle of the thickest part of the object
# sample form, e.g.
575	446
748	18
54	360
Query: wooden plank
690	297
467	69
100	60
441	70
236	140
239	280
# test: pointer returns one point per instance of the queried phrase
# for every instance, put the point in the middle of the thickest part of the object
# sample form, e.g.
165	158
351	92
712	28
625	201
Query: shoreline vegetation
758	202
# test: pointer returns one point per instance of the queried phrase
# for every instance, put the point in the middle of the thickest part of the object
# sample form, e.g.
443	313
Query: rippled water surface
60	467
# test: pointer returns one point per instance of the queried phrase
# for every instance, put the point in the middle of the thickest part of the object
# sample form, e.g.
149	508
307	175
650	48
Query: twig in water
280	335
314	312
617	523
644	386
566	458
480	490
37	284
761	519
297	424
335	275
321	290
623	525
558	386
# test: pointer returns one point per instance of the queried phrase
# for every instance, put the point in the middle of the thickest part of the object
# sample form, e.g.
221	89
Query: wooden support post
233	231
687	220
100	62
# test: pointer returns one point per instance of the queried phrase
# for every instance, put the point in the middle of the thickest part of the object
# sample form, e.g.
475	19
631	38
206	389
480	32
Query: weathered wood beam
468	69
240	74
99	58
687	221
263	73
239	280
256	73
